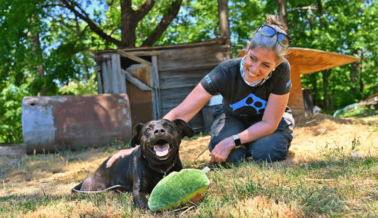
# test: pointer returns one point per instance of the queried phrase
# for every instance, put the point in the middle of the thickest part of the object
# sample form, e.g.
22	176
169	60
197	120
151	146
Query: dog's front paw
140	201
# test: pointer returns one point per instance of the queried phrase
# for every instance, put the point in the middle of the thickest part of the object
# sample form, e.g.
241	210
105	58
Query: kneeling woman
254	120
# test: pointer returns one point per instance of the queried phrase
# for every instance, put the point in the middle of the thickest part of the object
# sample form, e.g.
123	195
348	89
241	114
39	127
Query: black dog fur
142	169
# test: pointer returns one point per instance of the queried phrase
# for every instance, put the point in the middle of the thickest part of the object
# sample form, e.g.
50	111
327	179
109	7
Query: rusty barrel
55	123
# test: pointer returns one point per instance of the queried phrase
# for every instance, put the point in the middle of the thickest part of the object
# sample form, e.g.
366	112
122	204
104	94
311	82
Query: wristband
237	141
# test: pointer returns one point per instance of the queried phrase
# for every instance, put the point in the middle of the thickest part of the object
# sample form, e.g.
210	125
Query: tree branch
144	9
305	7
164	23
118	28
52	5
90	23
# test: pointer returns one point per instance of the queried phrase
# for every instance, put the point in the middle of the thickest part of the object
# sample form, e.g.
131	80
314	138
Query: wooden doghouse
305	61
157	79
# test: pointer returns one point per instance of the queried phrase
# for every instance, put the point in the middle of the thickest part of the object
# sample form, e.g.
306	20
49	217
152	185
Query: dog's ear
185	130
135	139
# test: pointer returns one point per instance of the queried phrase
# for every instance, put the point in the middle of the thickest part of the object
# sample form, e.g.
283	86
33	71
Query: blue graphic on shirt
261	104
288	83
208	79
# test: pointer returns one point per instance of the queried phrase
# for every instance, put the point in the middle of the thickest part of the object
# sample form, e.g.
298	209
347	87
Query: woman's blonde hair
260	41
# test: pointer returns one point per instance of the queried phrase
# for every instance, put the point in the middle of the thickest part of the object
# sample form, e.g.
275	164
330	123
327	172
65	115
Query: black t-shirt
239	98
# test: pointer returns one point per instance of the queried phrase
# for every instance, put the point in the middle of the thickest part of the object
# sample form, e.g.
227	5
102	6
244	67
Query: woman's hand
120	154
222	150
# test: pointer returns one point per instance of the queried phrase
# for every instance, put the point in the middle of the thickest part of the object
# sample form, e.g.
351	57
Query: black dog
157	156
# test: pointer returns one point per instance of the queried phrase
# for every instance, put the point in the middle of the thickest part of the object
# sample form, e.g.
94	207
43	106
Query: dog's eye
168	126
148	129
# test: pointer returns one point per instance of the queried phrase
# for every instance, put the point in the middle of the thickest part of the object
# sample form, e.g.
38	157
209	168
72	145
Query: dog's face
160	139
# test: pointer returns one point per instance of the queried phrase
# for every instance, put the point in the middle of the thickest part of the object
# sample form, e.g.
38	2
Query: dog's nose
159	132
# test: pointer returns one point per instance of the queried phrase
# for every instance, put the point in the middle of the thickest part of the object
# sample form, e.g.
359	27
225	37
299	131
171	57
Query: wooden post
114	73
296	95
105	75
155	84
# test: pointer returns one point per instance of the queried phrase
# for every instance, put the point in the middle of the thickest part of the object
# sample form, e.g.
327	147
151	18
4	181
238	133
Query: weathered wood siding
171	72
140	101
112	78
180	70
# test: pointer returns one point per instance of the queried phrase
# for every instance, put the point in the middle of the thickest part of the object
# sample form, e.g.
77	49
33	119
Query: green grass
331	183
335	185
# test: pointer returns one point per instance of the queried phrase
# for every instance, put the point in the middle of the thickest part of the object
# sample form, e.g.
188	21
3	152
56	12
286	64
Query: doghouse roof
305	60
155	50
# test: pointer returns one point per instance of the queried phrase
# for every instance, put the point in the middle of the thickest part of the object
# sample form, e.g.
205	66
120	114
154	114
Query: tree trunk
40	72
361	81
326	97
282	10
353	75
129	22
224	24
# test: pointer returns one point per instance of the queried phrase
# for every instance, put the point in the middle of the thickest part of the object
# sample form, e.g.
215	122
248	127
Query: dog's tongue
161	150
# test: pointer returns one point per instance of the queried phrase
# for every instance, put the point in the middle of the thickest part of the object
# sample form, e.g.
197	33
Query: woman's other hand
120	154
222	150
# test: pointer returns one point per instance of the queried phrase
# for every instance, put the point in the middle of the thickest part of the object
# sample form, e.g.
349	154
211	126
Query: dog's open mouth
161	148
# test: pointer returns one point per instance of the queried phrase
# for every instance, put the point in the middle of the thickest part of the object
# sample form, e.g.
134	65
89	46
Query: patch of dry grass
319	178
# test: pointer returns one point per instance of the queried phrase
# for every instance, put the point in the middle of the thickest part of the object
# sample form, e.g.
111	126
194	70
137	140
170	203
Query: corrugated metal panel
73	122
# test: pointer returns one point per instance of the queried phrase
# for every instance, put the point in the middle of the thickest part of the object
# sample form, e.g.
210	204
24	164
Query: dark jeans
269	148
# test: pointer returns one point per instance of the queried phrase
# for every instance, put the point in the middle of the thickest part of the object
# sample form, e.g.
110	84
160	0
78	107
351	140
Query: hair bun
277	21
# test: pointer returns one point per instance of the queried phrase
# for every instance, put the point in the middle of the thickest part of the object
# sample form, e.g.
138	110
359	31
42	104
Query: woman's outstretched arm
185	111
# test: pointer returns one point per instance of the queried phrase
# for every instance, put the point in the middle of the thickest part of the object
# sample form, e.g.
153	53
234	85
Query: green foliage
77	87
346	27
10	110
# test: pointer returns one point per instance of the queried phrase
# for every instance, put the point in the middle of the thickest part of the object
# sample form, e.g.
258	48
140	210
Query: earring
274	69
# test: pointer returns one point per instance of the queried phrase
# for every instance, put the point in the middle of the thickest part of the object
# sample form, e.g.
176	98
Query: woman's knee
237	154
270	148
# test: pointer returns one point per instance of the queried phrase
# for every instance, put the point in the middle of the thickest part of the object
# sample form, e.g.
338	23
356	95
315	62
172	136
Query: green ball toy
178	188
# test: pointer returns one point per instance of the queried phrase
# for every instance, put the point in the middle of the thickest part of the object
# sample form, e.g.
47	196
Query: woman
254	120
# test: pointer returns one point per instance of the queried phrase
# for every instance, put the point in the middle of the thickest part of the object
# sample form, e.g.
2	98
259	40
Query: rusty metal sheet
73	122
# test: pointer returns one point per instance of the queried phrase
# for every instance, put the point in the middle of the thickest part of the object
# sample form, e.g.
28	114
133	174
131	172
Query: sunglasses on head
269	31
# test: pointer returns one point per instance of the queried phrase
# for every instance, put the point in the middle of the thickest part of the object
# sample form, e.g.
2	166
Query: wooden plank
210	42
182	83
110	76
178	94
179	53
115	74
133	57
105	77
188	62
99	84
173	97
144	53
136	81
184	74
156	86
120	76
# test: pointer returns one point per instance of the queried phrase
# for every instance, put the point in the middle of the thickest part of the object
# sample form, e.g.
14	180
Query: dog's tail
77	189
